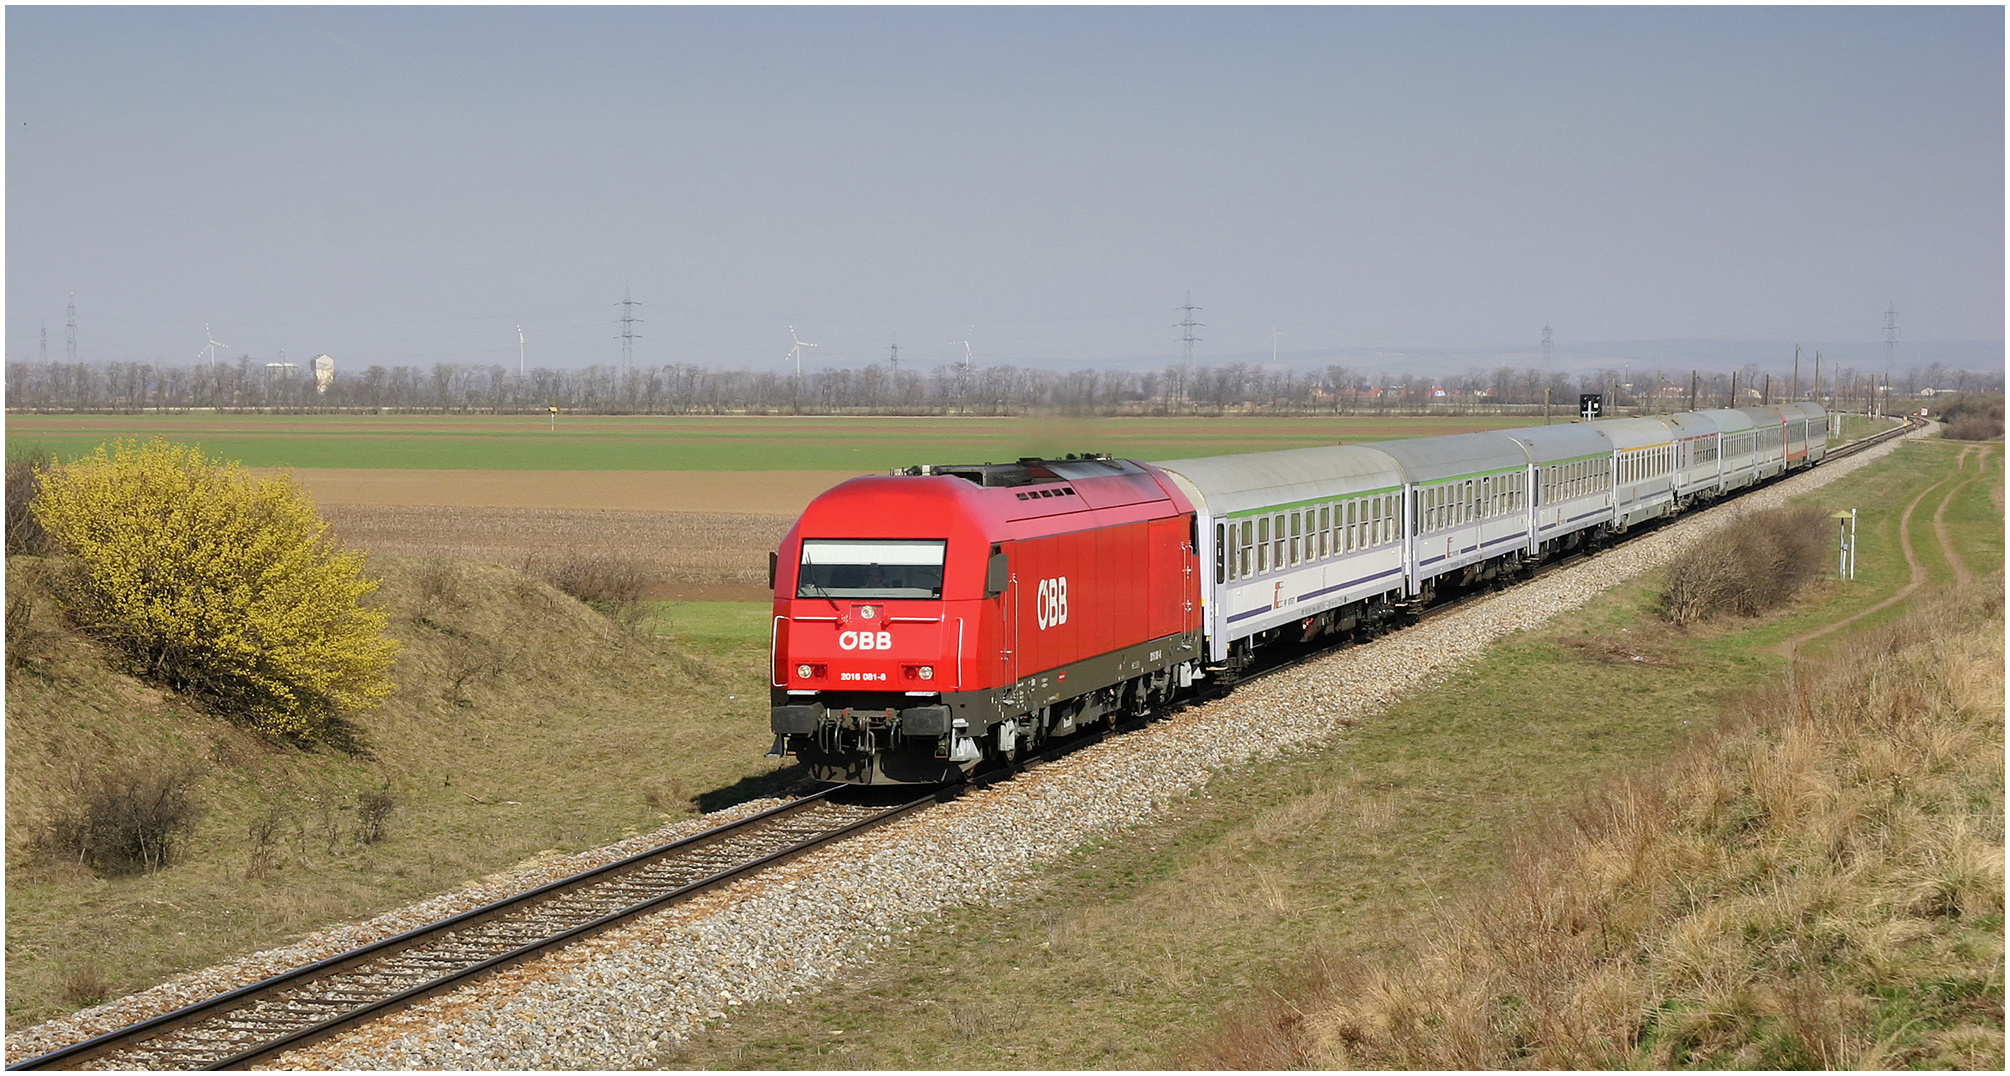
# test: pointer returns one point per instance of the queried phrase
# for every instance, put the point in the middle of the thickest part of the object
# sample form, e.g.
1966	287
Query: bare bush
438	585
373	815
25	535
1755	564
85	985
21	628
262	843
1972	417
610	581
126	818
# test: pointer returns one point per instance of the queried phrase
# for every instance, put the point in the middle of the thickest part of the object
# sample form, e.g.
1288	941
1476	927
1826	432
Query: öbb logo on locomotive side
1051	610
865	640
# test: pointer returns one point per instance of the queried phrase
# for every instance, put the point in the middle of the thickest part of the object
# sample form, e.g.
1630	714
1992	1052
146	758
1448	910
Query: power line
1188	339
1890	346
628	323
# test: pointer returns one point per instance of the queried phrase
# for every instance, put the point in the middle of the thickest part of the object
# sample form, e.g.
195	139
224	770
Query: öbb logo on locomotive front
865	640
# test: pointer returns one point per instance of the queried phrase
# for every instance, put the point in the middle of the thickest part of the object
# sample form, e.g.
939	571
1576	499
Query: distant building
324	372
281	371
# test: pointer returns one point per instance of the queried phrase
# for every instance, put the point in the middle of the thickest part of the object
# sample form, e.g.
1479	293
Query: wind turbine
796	352
214	343
1274	334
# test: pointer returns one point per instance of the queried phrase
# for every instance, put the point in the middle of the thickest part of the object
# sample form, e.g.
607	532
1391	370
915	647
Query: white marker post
554	419
1845	544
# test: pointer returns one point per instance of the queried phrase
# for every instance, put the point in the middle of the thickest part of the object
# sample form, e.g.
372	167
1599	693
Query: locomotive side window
881	568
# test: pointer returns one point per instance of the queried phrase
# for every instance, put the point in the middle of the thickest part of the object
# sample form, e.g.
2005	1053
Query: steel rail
218	1009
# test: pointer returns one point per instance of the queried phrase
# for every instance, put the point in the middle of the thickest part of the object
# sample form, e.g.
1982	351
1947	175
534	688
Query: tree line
952	389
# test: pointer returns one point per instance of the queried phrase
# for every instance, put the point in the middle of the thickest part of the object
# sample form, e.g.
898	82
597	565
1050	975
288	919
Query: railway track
256	1022
264	1019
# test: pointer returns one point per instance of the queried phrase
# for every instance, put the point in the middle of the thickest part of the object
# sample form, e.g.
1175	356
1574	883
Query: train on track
944	617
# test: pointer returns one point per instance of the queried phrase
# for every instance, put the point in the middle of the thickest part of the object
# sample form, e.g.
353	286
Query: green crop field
710	443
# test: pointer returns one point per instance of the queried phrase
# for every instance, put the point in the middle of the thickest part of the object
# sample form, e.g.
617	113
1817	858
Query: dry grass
1756	564
1819	884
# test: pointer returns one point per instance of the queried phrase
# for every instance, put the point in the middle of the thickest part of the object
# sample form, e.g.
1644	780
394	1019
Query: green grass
727	443
1139	948
715	629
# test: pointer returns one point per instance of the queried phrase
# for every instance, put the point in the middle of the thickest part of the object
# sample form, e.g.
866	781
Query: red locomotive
943	615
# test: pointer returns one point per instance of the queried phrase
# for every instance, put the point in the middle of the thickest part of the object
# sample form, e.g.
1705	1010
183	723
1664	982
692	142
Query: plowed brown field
780	493
705	536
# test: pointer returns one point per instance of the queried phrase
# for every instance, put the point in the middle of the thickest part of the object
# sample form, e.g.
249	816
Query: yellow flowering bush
219	584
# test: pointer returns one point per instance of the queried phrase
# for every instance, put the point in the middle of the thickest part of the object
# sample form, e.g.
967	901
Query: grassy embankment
717	443
1147	951
525	723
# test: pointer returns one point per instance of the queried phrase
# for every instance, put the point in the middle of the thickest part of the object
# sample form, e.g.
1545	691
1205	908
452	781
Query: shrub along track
719	951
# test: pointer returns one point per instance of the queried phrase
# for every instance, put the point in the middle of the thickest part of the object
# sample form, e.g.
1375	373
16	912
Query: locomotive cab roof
1028	470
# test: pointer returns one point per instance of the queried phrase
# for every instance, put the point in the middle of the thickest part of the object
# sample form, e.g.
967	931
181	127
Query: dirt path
1788	648
1962	576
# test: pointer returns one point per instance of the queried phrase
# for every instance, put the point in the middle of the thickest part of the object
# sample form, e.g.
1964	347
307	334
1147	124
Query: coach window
1294	538
1242	551
1263	545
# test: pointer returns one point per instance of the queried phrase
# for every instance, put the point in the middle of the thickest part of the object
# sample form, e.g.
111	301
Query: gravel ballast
618	999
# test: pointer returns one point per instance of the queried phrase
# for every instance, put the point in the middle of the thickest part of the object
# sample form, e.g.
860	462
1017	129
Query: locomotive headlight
802	672
927	672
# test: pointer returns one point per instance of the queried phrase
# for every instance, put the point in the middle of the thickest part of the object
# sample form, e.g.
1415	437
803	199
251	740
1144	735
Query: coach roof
1251	480
1548	444
1429	459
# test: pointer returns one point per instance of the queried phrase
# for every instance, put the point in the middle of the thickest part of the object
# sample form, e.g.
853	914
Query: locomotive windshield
870	568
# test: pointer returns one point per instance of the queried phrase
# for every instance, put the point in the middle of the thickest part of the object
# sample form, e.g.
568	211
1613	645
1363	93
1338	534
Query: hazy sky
405	186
